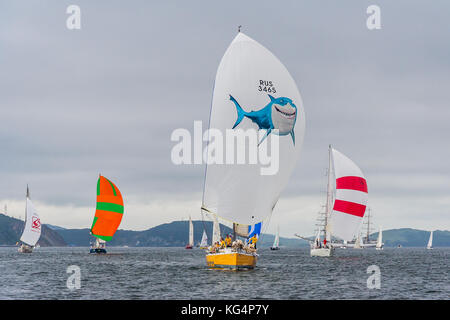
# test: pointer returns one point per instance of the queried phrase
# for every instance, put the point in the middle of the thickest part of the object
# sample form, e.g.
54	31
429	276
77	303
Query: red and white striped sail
351	197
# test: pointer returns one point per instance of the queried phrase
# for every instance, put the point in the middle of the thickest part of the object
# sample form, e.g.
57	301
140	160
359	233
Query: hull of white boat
379	248
321	252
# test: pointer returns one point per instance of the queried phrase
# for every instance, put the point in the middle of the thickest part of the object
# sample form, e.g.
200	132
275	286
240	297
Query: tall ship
347	196
254	96
108	214
32	227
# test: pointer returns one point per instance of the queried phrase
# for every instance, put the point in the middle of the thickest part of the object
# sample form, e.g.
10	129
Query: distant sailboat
204	242
32	227
358	242
276	241
379	245
430	241
343	218
250	77
108	214
190	244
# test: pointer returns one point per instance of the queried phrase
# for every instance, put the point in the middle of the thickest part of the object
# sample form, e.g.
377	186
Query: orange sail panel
109	210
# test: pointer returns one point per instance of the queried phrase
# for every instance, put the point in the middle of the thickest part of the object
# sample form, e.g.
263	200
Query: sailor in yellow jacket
252	241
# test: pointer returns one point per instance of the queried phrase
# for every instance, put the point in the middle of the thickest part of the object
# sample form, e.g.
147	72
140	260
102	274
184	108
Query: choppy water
176	273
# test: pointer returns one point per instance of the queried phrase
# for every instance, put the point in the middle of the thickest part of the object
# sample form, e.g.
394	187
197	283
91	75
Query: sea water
177	273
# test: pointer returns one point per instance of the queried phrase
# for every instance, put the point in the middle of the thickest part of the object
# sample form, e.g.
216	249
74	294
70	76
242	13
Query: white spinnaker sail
251	77
380	239
276	242
351	197
430	241
204	241
32	231
191	232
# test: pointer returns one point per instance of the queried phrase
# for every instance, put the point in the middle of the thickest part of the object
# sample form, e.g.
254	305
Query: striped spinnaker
109	211
351	197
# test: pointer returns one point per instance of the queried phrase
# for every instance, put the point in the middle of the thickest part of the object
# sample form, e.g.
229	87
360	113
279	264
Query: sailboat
343	218
204	242
276	241
190	244
430	241
249	77
32	228
358	243
379	245
108	214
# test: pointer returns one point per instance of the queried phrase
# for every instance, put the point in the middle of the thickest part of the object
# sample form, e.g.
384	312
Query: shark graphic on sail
238	193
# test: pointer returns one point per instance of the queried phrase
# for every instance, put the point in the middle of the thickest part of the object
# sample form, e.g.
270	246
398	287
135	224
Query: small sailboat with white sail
108	214
276	241
32	227
430	241
249	78
379	245
190	244
204	241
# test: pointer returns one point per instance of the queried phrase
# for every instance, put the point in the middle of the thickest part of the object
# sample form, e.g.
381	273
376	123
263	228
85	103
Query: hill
11	230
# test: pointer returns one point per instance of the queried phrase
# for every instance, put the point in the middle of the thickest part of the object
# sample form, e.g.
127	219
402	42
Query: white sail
351	197
32	231
216	230
430	241
250	78
191	232
358	242
380	239
276	242
204	241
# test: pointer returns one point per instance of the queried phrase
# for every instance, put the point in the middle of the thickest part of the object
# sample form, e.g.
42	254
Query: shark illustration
279	113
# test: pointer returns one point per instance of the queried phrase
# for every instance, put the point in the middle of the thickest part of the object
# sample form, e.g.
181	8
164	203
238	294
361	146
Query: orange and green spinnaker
109	210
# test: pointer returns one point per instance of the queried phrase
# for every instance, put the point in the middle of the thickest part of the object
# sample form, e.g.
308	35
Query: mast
327	236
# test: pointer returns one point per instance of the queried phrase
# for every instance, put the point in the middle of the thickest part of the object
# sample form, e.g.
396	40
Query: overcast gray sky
105	99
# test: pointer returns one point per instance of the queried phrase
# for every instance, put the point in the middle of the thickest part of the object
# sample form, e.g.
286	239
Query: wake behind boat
253	92
32	227
108	214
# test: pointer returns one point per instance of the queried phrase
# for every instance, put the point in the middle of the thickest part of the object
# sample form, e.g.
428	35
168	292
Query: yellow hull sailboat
231	260
256	103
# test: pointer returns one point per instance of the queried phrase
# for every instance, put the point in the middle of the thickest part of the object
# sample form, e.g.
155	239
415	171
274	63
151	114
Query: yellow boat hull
232	260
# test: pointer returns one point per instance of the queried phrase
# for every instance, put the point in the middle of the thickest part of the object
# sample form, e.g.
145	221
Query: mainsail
380	239
253	92
351	197
191	233
430	241
276	242
32	230
109	211
204	242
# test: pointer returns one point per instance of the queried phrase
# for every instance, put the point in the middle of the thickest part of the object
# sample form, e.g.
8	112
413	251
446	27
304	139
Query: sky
106	98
